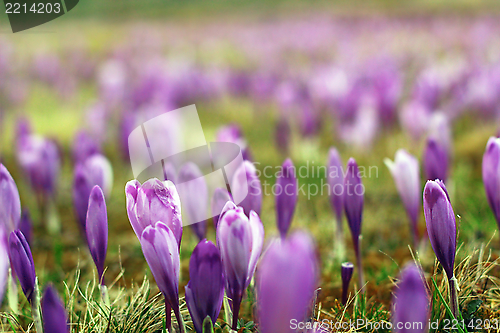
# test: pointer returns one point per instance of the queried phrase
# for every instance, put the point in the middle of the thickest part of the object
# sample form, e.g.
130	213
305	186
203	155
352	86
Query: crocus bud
410	303
161	251
435	161
253	200
336	182
194	197
55	318
240	240
286	281
39	158
10	209
95	170
491	175
286	197
219	199
22	262
406	173
97	229
441	225
151	202
205	290
353	200
353	205
346	270
26	226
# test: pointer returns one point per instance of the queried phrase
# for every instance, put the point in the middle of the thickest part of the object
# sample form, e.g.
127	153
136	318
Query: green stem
454	298
180	321
339	243
35	309
12	292
361	279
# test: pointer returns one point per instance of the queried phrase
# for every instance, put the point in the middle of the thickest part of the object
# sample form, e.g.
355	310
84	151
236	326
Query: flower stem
12	292
180	322
168	317
35	309
361	279
339	243
454	297
236	311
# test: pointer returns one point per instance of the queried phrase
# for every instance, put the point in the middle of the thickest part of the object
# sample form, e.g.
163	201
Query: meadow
296	87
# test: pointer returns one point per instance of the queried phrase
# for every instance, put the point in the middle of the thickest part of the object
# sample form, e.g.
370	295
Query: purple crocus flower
286	281
97	229
410	303
406	173
205	290
219	199
286	198
240	240
194	197
10	209
253	200
441	225
346	270
491	175
442	230
84	146
26	226
95	170
151	202
55	318
22	262
160	248
353	205
39	158
435	160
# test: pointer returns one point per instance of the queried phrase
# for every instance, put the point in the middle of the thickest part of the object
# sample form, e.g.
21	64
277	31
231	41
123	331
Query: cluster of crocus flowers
239	239
410	311
353	205
286	197
442	231
406	173
286	283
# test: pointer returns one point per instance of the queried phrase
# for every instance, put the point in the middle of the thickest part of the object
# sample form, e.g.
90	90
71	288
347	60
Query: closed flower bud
205	290
95	170
10	209
336	182
194	197
240	241
161	251
353	199
410	303
151	202
441	225
55	318
286	281
22	263
286	197
406	173
97	229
